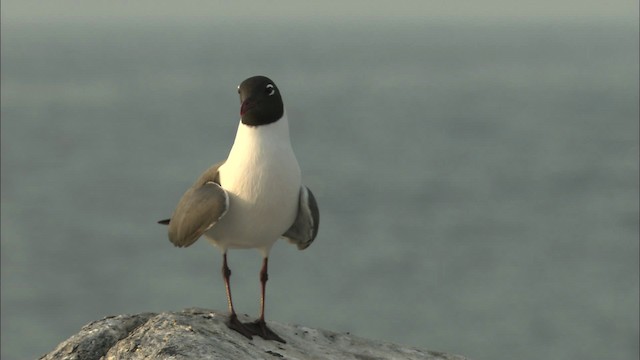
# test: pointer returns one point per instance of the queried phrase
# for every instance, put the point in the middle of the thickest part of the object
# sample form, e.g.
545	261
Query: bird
251	199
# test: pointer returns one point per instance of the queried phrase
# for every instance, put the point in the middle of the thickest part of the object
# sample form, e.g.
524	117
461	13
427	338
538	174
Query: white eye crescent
270	90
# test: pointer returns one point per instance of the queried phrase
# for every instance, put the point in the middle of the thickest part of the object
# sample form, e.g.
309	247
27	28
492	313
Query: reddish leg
259	327
233	322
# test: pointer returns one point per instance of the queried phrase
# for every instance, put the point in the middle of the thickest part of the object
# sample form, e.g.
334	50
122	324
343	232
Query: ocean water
478	183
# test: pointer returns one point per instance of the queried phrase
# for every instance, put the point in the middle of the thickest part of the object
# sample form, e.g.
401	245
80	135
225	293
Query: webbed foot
236	325
260	328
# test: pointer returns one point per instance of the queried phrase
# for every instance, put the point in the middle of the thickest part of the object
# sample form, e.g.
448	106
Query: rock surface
202	334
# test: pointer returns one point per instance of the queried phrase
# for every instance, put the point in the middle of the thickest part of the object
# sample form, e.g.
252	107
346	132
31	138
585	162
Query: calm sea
478	183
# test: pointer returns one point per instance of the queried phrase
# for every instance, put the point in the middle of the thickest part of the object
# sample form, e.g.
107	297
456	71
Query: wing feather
199	209
305	227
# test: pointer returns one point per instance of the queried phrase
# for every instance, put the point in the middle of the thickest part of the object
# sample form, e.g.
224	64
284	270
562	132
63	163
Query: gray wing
305	228
199	209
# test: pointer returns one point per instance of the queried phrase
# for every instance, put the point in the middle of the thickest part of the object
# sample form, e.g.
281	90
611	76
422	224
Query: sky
192	10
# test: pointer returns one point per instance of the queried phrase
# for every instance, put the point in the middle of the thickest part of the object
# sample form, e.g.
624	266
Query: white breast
262	178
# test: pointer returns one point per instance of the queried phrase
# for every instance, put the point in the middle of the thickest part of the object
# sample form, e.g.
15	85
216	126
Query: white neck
276	133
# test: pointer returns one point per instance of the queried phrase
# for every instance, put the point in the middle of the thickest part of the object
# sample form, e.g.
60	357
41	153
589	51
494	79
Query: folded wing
305	228
199	209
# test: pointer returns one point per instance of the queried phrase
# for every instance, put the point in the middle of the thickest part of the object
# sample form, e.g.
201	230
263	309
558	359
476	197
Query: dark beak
247	105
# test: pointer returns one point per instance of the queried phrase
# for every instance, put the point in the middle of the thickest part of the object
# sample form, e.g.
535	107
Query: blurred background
475	163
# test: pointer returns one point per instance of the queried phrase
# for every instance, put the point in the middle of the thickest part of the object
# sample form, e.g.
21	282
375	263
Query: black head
261	101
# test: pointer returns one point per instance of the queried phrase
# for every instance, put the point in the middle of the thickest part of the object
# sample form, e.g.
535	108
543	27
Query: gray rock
201	334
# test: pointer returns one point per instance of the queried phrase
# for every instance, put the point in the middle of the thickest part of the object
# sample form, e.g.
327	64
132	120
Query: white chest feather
262	178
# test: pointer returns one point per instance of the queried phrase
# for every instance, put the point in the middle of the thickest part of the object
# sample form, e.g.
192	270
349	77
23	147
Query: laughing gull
253	198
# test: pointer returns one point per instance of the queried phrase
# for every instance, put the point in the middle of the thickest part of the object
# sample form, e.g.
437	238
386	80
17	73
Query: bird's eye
238	89
270	90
